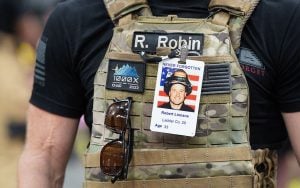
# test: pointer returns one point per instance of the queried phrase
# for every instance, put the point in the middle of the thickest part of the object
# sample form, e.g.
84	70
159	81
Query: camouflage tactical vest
219	155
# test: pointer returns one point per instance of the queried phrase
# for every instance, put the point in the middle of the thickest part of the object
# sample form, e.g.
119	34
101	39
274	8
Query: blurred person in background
14	88
14	55
20	28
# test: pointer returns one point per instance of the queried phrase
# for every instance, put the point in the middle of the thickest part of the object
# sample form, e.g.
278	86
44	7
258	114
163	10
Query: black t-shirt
78	32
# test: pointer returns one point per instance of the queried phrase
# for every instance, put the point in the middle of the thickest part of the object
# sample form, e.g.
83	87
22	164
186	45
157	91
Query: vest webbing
179	156
219	154
218	182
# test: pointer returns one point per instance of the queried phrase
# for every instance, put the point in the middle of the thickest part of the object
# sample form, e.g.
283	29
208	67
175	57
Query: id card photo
177	97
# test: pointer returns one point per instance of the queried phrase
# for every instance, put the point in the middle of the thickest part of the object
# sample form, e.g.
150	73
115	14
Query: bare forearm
294	134
37	170
49	142
292	121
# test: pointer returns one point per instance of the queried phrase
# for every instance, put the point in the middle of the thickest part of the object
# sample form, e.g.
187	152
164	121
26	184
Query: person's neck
175	106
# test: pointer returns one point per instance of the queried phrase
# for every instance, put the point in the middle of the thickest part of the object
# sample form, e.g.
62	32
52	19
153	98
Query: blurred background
21	25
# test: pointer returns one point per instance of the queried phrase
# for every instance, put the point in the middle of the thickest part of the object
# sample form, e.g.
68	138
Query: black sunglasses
115	155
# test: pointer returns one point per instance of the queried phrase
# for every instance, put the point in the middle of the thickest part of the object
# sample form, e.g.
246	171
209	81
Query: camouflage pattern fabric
240	11
120	8
177	171
221	181
265	162
223	123
222	118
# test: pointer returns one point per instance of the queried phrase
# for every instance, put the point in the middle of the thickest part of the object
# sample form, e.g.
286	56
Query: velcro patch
126	76
216	79
149	41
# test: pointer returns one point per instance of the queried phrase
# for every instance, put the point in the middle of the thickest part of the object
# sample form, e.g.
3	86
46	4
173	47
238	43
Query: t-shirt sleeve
288	67
57	88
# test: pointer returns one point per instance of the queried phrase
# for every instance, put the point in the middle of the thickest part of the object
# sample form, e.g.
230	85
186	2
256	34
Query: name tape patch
126	76
149	41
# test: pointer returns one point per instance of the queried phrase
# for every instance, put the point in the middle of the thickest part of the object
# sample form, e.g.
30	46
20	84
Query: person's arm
49	142
292	123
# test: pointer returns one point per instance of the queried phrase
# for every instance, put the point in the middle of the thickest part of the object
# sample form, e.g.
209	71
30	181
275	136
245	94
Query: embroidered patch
248	57
149	41
40	69
250	63
126	76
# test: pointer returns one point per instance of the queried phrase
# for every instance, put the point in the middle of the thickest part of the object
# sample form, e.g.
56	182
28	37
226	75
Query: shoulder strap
233	13
121	11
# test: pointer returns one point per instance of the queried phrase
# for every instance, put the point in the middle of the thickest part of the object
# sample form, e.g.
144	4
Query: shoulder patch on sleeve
39	74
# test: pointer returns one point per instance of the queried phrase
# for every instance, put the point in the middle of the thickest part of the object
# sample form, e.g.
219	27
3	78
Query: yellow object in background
26	54
294	183
16	70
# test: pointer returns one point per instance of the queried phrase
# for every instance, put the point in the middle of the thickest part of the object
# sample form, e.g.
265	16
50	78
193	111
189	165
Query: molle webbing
180	156
243	181
206	59
219	154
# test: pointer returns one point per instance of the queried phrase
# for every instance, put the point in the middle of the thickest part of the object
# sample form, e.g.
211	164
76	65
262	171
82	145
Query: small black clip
183	54
148	59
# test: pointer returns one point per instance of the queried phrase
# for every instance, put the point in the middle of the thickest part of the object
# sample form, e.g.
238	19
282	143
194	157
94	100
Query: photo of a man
177	87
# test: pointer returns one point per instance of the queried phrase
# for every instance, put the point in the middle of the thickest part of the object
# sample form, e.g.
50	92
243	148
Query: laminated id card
177	97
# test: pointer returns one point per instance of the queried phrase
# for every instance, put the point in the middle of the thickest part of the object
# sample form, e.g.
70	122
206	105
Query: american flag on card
163	97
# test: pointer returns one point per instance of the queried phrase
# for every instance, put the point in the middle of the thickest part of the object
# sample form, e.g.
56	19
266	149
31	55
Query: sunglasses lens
116	116
112	158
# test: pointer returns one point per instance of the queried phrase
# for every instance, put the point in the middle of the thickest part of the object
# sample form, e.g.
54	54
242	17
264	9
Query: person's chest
252	64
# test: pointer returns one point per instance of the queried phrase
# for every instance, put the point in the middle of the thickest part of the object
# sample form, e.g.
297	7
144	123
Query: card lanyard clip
183	54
